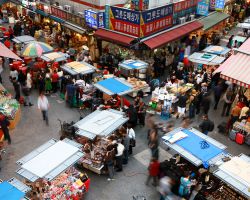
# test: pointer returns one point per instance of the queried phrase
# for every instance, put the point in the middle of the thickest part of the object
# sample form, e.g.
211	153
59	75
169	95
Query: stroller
67	129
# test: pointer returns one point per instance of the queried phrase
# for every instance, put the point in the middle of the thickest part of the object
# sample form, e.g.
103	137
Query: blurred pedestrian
206	125
131	135
153	171
43	106
154	142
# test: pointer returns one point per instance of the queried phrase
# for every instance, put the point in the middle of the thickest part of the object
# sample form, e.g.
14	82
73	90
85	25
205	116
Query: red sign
184	5
125	27
157	25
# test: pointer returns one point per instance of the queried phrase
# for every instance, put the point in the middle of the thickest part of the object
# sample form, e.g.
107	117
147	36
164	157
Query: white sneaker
109	179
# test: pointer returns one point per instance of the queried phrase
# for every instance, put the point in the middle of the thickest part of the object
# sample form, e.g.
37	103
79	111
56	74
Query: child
154	167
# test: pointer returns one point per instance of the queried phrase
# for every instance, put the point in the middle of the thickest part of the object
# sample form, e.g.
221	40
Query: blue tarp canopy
112	86
133	64
193	144
8	191
196	147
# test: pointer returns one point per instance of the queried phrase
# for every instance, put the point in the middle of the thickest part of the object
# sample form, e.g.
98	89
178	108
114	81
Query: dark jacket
205	126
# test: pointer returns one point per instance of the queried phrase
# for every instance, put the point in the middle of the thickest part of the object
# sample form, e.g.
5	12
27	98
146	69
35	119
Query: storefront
214	23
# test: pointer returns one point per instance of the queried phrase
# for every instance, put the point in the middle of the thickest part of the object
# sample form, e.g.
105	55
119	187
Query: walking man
43	105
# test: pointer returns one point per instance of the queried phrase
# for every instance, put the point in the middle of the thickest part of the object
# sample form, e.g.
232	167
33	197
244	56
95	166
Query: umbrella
36	49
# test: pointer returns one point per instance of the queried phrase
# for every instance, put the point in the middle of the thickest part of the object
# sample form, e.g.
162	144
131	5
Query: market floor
31	132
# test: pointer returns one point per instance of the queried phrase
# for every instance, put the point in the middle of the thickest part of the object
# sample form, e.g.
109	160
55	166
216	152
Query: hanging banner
203	7
124	20
156	19
107	12
219	5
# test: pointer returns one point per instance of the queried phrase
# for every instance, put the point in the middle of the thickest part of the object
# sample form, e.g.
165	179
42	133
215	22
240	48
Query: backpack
211	126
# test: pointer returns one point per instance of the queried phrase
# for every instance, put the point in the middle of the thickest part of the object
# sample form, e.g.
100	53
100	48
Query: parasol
36	49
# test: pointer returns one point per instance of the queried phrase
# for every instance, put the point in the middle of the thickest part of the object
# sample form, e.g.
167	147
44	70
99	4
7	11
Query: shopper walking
109	161
217	95
118	156
228	100
154	143
126	143
26	92
17	89
4	124
153	170
131	135
54	80
43	105
205	103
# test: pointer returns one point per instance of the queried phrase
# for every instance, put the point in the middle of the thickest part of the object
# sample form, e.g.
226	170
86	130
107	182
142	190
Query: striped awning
236	69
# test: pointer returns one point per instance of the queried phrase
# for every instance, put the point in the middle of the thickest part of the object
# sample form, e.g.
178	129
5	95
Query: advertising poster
212	5
203	7
93	19
156	19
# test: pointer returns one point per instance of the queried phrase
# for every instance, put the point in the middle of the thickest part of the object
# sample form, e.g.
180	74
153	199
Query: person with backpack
206	125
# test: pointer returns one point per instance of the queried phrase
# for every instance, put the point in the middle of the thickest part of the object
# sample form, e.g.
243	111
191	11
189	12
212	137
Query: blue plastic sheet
114	85
9	192
133	64
195	145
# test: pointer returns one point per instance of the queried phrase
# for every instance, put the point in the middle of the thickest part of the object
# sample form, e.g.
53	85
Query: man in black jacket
4	123
206	125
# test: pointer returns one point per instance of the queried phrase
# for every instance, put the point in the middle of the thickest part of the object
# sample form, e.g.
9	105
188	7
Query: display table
55	57
137	86
217	50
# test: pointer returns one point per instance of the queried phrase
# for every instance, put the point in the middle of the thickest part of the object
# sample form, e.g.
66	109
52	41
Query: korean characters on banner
125	21
202	7
156	19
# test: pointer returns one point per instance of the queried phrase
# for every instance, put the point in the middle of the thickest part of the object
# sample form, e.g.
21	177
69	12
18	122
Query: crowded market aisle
31	133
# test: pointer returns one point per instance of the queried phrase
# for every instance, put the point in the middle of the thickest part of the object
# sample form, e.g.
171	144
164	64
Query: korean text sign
156	19
125	21
93	19
202	7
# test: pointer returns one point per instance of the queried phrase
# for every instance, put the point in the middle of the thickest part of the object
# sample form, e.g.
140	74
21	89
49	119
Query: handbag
132	142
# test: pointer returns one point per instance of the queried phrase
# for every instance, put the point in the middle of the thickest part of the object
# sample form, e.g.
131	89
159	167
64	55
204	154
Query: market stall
242	128
135	68
13	189
95	129
74	68
138	85
236	174
55	57
9	107
24	39
49	171
203	151
239	39
206	58
164	98
217	50
114	86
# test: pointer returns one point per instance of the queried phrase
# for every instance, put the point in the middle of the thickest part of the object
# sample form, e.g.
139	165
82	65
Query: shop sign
59	13
107	16
124	20
126	15
184	5
94	19
156	19
219	5
202	7
139	4
212	5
